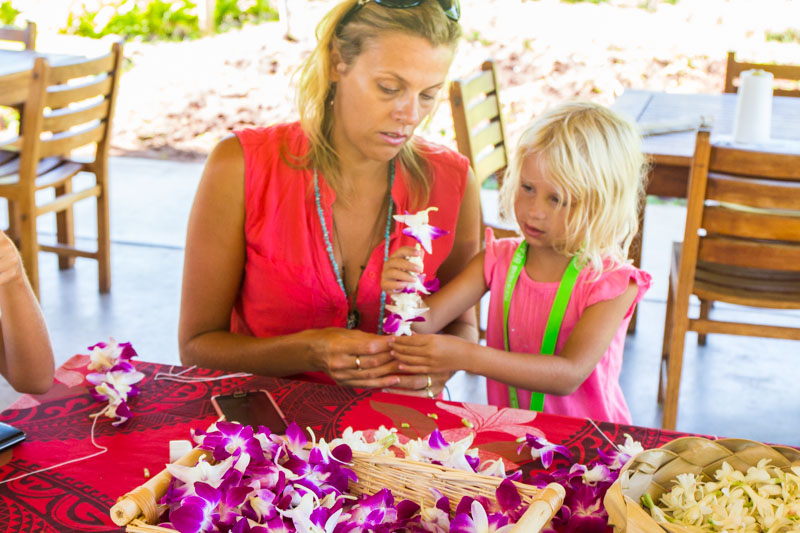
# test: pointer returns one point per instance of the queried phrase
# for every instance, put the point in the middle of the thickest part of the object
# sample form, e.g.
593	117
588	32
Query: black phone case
9	436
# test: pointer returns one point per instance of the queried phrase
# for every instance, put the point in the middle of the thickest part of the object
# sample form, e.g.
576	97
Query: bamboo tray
407	479
654	471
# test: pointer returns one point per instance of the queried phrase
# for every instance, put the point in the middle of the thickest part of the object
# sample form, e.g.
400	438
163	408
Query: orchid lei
114	378
261	482
407	305
586	485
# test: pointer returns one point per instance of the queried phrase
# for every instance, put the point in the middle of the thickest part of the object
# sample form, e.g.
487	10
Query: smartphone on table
9	436
254	408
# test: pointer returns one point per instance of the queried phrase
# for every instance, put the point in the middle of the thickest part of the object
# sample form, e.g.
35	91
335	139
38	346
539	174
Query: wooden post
205	15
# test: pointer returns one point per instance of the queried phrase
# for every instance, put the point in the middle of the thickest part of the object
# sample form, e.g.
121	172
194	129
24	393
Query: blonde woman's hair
593	158
315	88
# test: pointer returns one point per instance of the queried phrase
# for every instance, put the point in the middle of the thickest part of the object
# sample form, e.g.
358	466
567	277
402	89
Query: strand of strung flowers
114	378
407	305
258	482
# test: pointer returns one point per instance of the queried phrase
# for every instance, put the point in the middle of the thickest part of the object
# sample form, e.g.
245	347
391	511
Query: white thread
604	435
180	378
102	449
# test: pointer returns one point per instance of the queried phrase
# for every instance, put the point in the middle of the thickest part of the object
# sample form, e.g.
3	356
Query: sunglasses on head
451	8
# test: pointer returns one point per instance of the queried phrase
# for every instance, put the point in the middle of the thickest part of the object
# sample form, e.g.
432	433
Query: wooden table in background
671	153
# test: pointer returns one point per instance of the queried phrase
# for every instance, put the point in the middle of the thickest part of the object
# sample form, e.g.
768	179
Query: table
671	153
78	496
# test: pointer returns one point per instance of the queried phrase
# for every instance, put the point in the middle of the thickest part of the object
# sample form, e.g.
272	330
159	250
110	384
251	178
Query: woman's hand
425	385
398	269
354	358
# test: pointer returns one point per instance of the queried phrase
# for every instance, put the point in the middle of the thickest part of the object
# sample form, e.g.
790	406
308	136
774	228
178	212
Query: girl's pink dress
288	283
600	396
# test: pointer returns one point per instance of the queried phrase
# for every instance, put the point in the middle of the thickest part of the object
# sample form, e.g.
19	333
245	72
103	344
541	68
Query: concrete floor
733	387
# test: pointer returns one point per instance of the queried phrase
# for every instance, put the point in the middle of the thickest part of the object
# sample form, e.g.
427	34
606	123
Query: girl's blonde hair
315	89
593	158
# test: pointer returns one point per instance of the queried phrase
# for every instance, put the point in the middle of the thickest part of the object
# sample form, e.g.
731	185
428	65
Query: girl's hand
355	358
398	268
429	354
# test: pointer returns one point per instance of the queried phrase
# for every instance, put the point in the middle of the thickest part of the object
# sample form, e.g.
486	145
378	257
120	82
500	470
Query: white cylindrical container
753	107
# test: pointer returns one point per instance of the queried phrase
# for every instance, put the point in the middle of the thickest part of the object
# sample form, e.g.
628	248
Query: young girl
575	186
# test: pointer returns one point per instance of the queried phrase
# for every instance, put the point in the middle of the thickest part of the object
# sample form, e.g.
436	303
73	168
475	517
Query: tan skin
381	97
26	357
540	217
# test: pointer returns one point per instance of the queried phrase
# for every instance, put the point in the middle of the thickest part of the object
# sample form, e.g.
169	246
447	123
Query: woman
287	233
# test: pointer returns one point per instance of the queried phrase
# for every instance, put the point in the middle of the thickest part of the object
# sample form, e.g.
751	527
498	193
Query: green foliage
7	13
790	35
229	13
165	20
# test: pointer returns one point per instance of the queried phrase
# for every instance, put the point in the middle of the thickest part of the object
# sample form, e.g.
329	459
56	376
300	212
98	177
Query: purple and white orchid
418	227
586	485
114	379
260	482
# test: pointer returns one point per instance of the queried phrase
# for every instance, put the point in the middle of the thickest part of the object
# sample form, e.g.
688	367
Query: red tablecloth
78	496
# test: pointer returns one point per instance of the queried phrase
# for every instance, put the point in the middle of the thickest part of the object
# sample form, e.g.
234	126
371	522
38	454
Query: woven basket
406	479
654	471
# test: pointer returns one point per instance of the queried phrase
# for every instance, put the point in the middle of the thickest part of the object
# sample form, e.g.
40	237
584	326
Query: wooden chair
783	74
25	36
741	245
478	121
480	134
71	108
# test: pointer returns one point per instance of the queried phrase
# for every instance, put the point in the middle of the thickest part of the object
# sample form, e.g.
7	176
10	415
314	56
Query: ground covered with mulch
178	99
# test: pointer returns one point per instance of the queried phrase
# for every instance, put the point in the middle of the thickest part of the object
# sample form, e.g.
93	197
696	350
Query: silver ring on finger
428	386
429	393
358	363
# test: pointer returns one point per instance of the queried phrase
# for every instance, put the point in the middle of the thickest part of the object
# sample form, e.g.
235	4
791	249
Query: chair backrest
787	77
78	105
25	36
25	92
743	209
478	121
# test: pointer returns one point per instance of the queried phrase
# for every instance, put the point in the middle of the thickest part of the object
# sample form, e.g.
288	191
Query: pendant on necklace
353	318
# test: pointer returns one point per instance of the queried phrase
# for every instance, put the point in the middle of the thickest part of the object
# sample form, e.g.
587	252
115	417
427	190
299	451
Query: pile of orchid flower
585	485
114	378
407	305
258	481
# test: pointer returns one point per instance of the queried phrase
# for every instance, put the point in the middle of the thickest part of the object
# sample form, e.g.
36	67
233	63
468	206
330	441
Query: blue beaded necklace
352	314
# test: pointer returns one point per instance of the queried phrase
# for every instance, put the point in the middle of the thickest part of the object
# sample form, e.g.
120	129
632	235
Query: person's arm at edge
212	274
26	356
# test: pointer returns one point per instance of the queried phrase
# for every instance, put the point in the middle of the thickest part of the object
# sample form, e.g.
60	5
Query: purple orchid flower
419	228
542	449
230	438
197	513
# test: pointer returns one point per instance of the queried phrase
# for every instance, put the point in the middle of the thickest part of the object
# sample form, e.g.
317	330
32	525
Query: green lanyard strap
553	321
